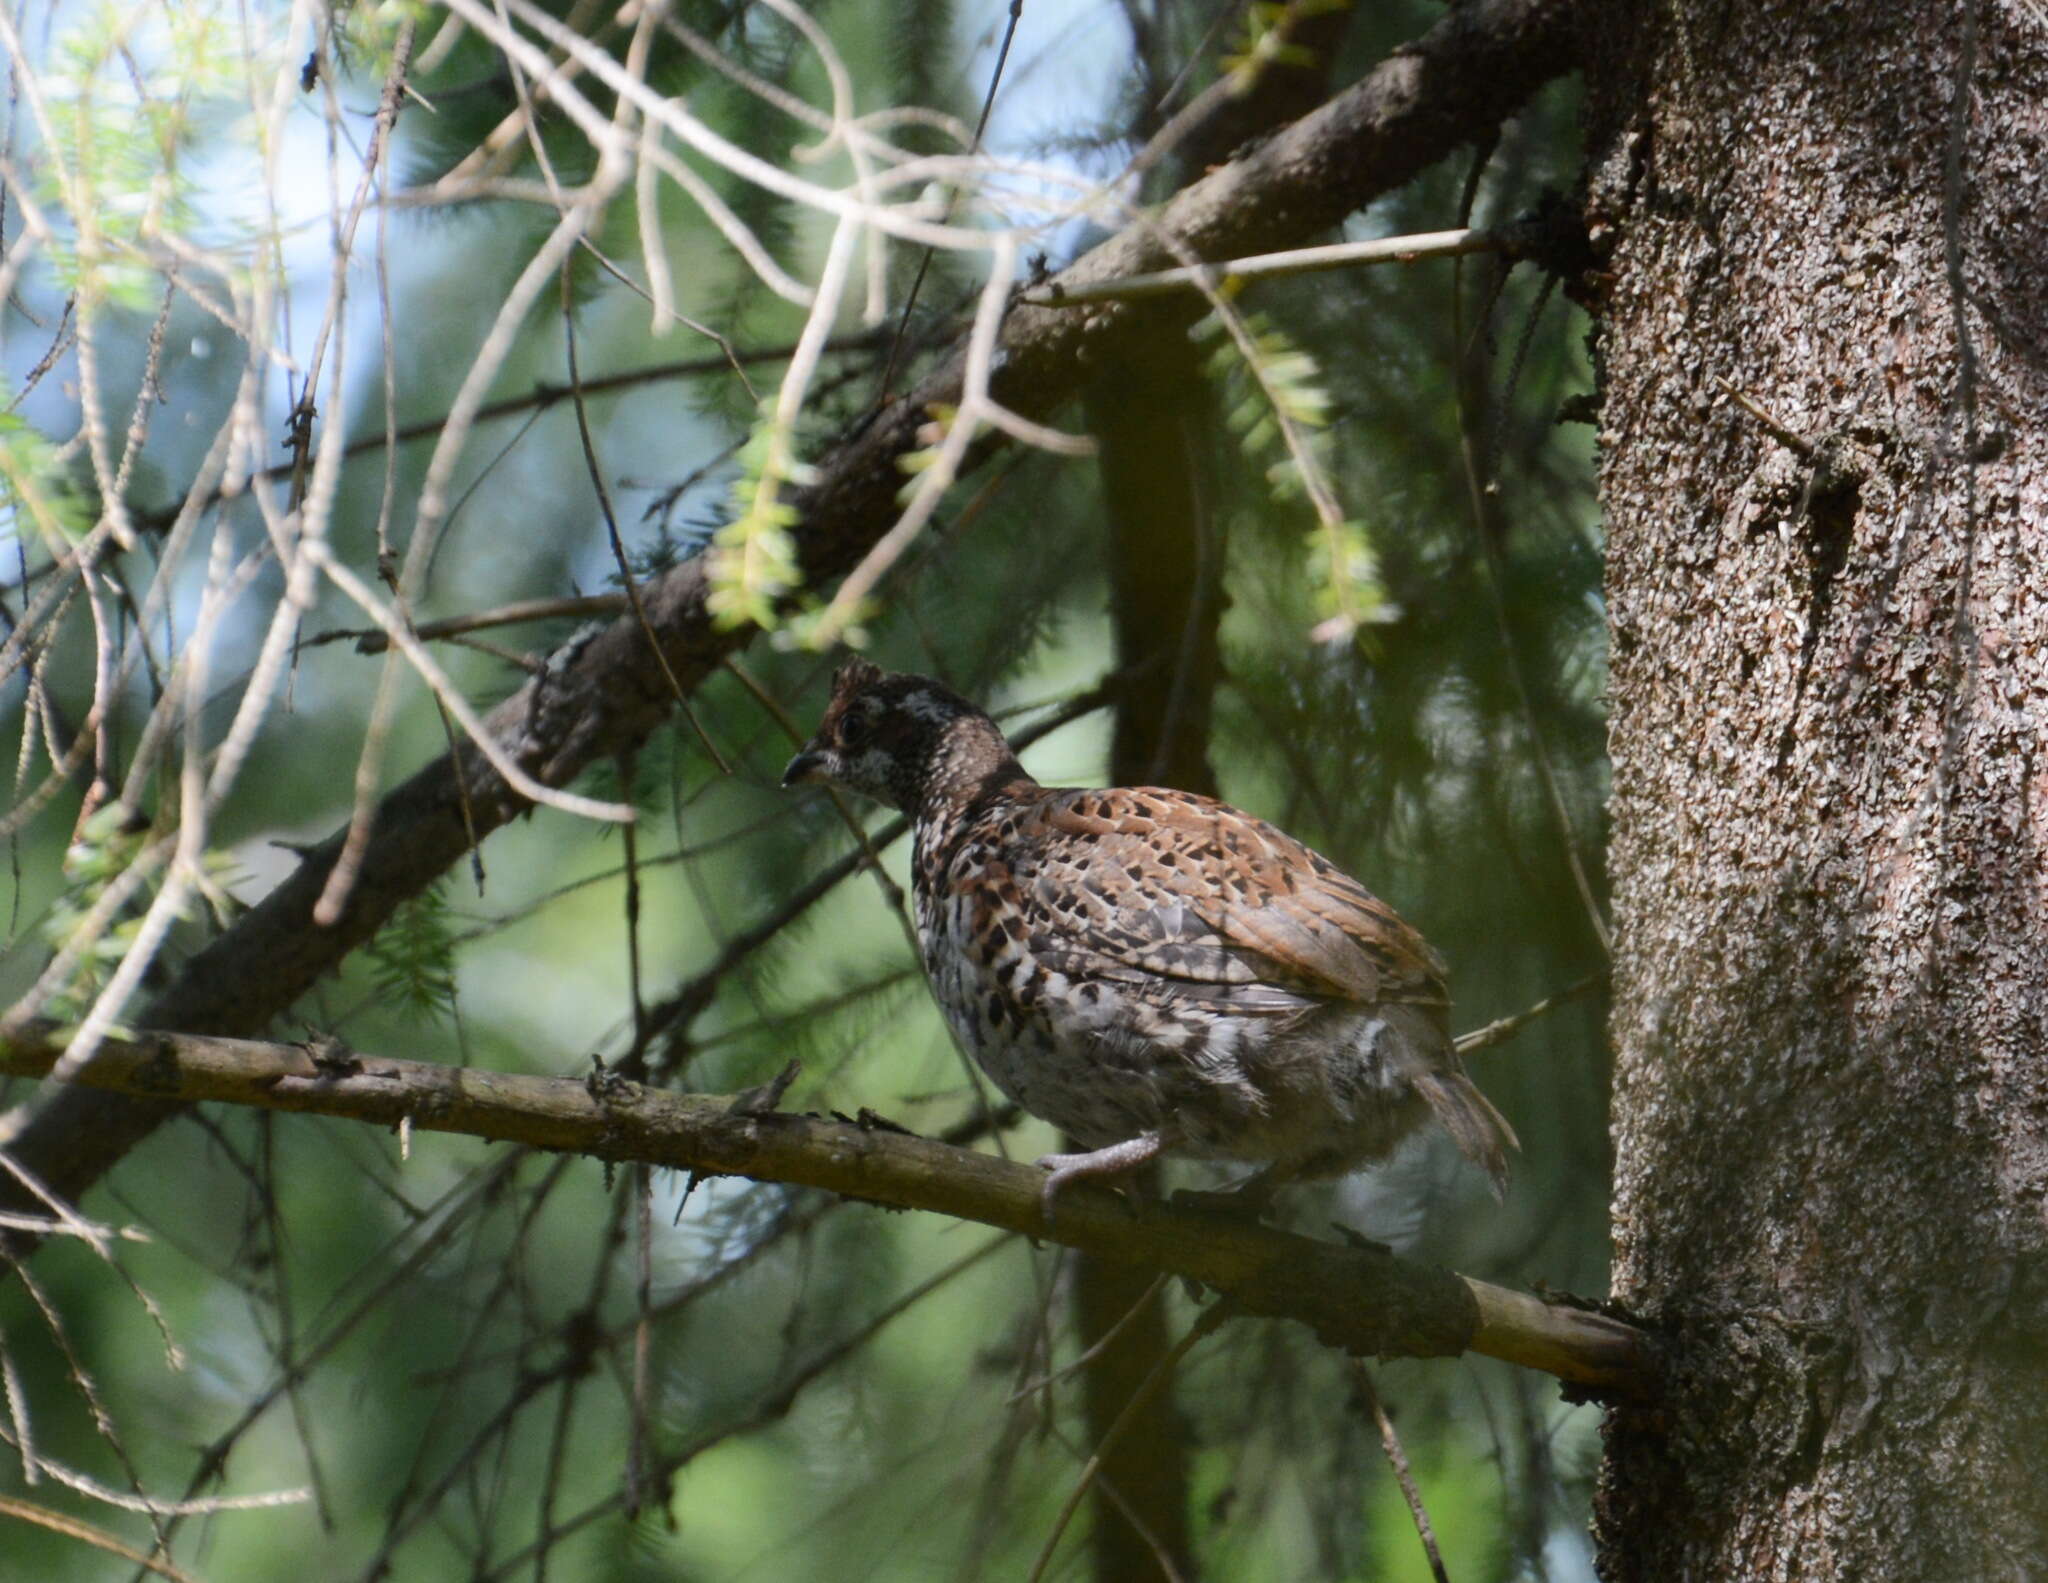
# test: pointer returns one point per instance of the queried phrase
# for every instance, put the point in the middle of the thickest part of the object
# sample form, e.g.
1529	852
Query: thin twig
924	263
1161	1372
1102	1344
371	640
1267	266
75	1528
773	1407
1397	1459
1502	1029
639	1488
611	527
1796	443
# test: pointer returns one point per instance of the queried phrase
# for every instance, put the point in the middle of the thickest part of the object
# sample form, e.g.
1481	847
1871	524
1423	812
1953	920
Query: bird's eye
854	729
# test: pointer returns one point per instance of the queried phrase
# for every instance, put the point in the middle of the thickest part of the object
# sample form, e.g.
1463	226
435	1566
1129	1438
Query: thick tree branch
1361	1298
606	693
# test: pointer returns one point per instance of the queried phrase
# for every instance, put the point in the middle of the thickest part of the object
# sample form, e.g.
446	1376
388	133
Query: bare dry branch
1268	266
1362	1298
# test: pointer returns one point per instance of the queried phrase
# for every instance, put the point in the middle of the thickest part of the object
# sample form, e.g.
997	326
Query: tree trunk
1824	430
1153	419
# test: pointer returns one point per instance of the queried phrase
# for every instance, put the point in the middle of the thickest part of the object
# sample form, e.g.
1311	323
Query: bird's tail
1482	1133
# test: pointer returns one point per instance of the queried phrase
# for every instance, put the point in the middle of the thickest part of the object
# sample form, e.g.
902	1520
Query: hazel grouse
1151	971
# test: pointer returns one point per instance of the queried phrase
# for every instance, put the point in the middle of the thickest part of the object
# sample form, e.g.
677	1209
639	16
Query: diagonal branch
607	692
1360	1298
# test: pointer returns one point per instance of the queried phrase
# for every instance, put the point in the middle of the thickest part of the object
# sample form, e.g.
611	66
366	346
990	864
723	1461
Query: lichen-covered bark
1830	678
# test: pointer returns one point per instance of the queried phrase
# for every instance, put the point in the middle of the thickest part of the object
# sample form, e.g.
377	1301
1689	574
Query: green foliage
113	870
1277	406
102	853
920	56
658	552
1344	573
1262	40
915	464
1268	380
753	557
815	627
366	34
126	113
413	957
38	495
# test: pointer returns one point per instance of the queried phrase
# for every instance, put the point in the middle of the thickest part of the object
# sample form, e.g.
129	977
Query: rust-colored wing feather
1191	889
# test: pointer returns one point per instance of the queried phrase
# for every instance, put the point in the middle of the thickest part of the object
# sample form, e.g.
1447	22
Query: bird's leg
1111	1160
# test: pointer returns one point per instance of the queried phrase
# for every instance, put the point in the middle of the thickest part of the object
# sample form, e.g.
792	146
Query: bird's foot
1112	1160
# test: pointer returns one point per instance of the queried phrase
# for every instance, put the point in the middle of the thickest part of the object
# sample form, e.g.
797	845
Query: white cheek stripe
870	768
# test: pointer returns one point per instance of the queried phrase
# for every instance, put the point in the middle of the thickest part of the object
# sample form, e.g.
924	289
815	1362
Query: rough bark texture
1830	665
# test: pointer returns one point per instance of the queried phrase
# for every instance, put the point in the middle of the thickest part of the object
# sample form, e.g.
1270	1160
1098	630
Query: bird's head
903	740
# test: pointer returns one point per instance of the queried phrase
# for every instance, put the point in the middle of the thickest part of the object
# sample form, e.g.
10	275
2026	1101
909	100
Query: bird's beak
807	766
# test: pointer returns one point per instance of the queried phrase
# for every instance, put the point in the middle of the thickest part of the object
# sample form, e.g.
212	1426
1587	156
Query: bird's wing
1186	888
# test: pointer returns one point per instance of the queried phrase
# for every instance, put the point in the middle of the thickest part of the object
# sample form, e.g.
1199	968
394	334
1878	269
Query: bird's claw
1117	1158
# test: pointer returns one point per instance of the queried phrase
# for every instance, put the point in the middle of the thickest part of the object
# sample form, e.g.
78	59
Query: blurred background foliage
443	1344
